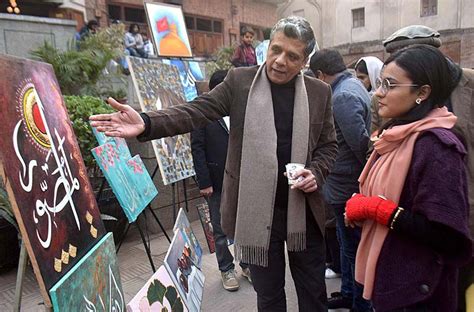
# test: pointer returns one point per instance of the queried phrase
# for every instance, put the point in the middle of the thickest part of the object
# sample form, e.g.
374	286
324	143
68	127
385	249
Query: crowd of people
387	152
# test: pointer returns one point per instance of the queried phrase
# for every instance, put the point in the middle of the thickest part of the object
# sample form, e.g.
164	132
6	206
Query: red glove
361	207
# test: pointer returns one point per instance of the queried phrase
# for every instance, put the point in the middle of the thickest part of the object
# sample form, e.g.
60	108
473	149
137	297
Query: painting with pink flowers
128	178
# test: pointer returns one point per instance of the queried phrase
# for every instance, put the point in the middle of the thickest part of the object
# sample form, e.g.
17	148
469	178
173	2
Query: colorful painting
189	73
184	271
129	179
93	284
182	223
205	217
158	86
168	29
43	170
159	294
120	143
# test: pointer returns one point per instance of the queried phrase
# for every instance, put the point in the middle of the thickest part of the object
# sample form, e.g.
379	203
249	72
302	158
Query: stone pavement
135	270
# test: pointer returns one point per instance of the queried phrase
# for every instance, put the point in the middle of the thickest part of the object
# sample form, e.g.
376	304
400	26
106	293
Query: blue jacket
351	110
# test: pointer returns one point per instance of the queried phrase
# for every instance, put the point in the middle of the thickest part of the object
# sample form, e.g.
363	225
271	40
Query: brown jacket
462	100
230	98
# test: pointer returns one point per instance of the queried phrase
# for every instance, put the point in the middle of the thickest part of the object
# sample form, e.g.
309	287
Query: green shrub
79	109
221	60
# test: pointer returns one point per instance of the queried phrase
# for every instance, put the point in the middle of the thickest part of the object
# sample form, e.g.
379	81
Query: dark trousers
307	269
349	241
225	260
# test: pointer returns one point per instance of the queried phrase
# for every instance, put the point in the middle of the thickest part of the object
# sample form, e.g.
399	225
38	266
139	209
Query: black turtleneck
283	97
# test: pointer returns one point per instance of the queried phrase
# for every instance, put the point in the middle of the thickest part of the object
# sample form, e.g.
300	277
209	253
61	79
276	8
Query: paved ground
135	270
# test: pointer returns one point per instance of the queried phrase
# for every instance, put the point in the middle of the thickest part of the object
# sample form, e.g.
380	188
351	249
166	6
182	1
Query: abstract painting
159	294
184	271
158	86
93	284
43	171
205	218
189	73
128	178
182	223
120	143
168	29
261	52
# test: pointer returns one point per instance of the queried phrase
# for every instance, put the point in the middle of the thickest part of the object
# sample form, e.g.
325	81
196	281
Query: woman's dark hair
424	65
130	29
361	67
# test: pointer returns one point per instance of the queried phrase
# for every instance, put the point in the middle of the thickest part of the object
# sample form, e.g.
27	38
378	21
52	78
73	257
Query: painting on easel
158	86
182	223
129	179
168	29
43	171
93	284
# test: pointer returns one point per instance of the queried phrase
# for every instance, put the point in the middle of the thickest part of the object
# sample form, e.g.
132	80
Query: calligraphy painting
159	294
261	51
181	263
158	86
168	29
43	170
182	223
128	178
93	284
205	217
189	73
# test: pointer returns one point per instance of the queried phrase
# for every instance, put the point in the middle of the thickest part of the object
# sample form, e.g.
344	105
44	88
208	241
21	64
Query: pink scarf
386	176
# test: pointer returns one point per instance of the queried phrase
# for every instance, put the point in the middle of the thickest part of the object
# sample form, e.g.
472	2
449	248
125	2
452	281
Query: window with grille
358	18
203	24
428	7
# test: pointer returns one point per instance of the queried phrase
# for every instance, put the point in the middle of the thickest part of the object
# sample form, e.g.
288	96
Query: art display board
93	284
158	294
43	171
205	217
189	73
128	178
168	29
182	223
158	86
261	51
184	271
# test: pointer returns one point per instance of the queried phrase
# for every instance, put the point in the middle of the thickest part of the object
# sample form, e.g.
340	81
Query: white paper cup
291	169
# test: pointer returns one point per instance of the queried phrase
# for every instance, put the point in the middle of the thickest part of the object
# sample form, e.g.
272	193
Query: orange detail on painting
171	44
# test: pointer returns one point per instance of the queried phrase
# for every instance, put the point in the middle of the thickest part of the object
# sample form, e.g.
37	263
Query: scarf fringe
296	241
255	255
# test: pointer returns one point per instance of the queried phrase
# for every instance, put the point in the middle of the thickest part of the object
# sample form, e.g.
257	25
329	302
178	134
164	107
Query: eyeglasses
387	85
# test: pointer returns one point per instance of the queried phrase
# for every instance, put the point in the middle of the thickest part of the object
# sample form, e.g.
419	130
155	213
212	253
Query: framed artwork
128	178
168	29
261	51
182	266
182	223
159	294
205	217
93	284
189	73
158	86
43	171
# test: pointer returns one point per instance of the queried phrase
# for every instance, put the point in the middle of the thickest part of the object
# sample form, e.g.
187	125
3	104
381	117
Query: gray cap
413	34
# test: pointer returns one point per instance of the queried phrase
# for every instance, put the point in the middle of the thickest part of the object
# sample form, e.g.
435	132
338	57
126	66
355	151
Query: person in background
413	201
209	150
89	29
244	54
148	45
461	103
277	116
133	42
368	70
351	110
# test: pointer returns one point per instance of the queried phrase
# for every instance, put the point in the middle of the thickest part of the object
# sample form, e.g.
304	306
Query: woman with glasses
413	205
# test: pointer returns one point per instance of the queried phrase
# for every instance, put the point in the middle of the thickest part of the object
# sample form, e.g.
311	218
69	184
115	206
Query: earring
418	101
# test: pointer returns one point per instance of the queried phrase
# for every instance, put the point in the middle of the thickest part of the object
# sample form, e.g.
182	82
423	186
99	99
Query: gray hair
296	27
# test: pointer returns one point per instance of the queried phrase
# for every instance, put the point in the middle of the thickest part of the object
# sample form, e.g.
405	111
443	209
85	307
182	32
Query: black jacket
209	149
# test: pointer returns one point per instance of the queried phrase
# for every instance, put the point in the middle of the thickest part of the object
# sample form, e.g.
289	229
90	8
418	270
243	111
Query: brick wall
458	44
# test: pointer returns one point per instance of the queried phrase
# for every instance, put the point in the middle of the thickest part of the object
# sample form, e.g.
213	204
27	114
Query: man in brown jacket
461	103
277	116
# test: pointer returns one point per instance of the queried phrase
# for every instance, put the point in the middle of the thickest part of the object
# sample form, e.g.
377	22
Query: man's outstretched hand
125	123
